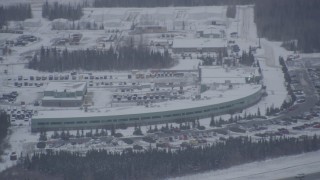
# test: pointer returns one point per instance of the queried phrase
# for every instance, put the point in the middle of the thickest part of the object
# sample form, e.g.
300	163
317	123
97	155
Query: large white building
64	94
220	101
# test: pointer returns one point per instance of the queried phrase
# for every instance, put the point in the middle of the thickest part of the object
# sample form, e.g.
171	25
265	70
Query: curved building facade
74	120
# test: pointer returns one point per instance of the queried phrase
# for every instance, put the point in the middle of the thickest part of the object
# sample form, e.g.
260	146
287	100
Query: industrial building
64	94
210	75
227	101
200	45
142	29
211	33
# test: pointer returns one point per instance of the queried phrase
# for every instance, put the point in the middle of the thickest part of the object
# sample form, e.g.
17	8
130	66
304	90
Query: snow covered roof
210	30
66	86
218	74
60	20
33	20
213	97
75	98
198	43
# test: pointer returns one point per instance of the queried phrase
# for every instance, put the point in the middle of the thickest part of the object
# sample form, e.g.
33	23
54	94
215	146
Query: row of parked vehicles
20	84
61	77
20	114
22	40
9	97
315	77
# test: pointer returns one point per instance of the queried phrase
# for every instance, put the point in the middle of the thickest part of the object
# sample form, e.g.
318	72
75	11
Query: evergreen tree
290	21
56	10
102	164
122	58
212	122
18	12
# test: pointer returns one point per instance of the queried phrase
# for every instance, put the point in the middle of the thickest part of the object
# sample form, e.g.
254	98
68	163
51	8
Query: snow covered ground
271	169
22	140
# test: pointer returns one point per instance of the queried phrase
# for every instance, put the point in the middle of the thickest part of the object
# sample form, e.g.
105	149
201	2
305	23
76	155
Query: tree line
55	11
231	11
287	78
122	58
160	163
166	3
18	12
288	20
4	125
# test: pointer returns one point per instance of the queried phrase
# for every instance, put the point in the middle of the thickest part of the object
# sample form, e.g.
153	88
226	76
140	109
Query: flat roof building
64	94
145	29
213	103
222	75
198	45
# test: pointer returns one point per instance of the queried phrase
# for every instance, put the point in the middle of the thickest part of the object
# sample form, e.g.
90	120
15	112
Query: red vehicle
317	126
293	107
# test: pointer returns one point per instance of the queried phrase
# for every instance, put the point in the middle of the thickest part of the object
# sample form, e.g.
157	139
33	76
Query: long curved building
212	103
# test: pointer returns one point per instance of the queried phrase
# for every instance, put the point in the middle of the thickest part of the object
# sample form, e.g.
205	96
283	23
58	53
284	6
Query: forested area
288	20
19	12
166	3
157	163
55	11
122	58
4	125
231	11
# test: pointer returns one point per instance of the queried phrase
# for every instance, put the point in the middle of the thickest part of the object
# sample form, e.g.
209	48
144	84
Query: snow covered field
271	169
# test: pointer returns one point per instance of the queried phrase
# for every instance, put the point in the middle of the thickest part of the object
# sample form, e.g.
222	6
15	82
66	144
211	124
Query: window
229	106
42	123
56	123
81	122
176	115
188	113
95	121
121	120
197	112
134	119
167	115
207	110
144	118
68	122
156	117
